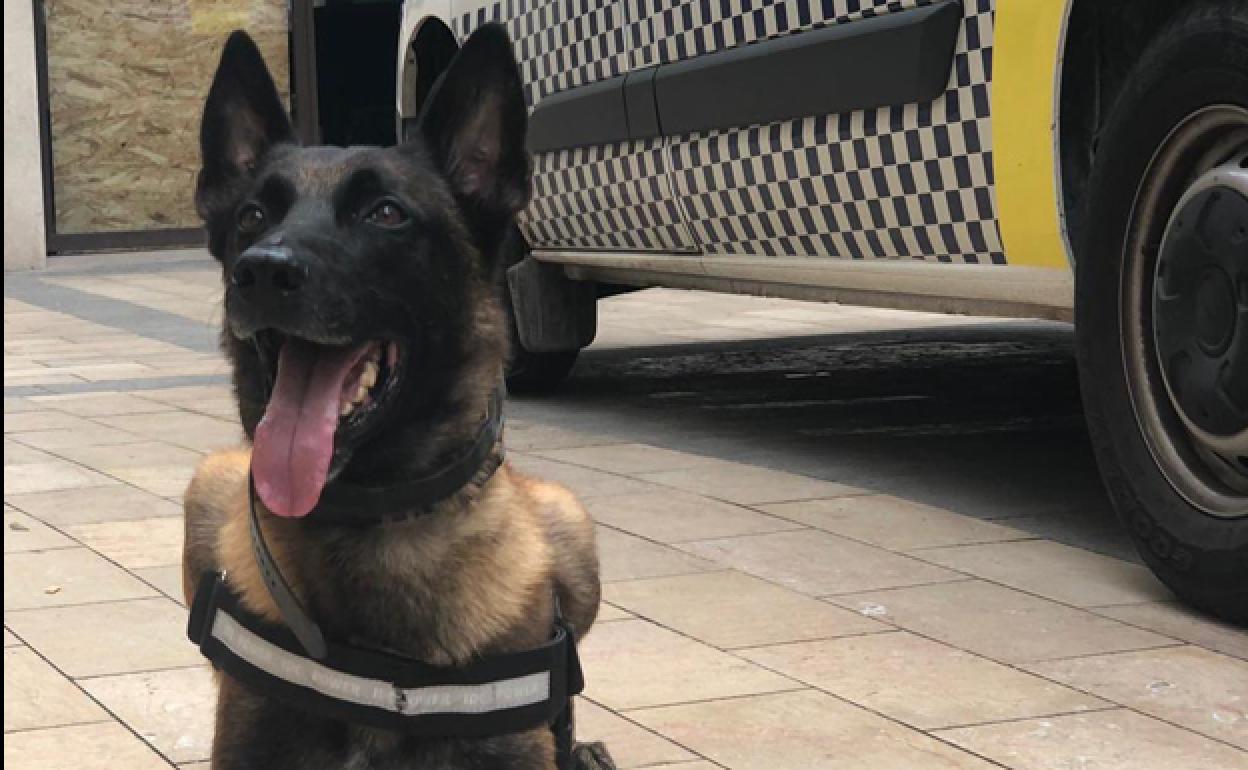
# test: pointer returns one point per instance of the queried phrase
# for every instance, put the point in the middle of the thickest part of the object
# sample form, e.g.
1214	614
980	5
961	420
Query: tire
1193	77
537	373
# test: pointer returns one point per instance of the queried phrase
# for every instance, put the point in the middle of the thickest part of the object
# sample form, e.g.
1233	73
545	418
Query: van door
854	129
595	188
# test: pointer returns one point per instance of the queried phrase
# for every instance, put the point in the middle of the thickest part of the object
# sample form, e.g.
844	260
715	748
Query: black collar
346	504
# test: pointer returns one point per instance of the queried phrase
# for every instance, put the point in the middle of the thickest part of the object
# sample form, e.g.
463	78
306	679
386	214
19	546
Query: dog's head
360	283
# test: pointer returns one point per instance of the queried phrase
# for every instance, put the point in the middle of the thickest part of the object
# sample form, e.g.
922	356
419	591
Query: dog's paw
592	756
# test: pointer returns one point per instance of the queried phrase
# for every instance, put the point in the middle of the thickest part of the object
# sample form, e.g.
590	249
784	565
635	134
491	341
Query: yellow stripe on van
1026	48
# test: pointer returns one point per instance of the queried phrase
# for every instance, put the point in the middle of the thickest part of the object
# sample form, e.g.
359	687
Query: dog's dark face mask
360	283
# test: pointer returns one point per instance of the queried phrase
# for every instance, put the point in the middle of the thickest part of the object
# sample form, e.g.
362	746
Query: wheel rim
1184	307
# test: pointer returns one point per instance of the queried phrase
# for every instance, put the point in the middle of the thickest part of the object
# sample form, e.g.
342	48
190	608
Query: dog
364	328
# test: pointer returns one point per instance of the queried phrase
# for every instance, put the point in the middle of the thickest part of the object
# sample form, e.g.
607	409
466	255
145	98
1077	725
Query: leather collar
356	505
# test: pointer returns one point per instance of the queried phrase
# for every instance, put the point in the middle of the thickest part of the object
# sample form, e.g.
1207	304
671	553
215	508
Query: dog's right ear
243	119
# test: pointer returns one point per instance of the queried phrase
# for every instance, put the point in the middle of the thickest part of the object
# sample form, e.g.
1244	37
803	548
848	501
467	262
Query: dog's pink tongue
295	439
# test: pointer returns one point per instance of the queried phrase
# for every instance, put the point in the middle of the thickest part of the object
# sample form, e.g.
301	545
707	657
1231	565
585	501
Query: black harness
295	664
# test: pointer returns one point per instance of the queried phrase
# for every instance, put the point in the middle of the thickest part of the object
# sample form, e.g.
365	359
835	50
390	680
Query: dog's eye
386	214
250	218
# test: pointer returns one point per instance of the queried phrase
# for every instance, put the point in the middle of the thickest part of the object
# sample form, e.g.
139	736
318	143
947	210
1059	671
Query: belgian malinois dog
364	326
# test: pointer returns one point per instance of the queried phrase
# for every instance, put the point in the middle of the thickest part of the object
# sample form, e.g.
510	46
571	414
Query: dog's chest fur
440	588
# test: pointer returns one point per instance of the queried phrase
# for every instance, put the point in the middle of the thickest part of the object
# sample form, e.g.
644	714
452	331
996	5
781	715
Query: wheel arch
1101	42
426	47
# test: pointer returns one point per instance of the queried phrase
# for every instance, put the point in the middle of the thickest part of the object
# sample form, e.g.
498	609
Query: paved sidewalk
755	618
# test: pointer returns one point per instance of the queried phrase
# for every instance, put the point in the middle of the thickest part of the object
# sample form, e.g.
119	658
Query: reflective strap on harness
494	695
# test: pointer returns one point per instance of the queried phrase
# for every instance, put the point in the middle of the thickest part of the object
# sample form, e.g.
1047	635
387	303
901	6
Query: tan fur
486	565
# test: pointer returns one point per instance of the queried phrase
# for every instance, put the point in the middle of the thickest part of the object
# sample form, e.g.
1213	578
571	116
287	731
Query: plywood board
126	86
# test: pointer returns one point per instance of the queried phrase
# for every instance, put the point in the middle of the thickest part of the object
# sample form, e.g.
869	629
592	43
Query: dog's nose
268	268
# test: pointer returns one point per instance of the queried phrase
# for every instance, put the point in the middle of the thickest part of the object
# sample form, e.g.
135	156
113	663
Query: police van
1081	160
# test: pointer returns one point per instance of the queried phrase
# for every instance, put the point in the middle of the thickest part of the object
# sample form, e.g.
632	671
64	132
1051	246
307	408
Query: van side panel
1027	67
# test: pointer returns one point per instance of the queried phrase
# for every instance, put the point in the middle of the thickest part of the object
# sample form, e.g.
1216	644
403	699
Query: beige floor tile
112	371
628	458
192	431
13	405
24	533
134	544
101	404
58	441
525	437
105	746
670	516
164	480
584	482
10	640
109	638
35	695
627	557
1188	686
730	609
1000	623
609	612
801	731
747	484
79	506
15	379
140	454
50	419
16	453
65	576
50	475
818	563
1182	622
630	745
923	683
632	663
1104	740
172	710
892	522
1060	572
167	580
187	396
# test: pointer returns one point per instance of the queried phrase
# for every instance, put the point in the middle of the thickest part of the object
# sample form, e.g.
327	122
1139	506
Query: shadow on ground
983	420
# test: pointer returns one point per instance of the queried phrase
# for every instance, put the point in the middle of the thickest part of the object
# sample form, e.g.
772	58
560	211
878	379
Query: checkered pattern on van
670	30
913	181
559	43
613	197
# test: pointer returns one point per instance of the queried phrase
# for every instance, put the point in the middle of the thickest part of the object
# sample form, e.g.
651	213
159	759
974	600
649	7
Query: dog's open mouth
321	393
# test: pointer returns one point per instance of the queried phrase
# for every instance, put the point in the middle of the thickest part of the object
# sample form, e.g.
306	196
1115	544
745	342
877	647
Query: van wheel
1161	307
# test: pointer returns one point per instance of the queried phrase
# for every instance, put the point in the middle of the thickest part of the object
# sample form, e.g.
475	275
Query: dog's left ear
474	121
243	119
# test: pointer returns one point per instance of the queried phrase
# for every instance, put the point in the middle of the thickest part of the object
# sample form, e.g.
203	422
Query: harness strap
304	628
490	696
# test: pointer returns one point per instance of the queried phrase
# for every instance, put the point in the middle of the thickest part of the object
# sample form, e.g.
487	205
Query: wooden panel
126	86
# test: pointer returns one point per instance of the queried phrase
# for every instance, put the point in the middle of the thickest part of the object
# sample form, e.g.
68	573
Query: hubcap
1184	303
1199	321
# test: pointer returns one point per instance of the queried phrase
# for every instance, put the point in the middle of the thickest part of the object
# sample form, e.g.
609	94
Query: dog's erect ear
474	122
243	119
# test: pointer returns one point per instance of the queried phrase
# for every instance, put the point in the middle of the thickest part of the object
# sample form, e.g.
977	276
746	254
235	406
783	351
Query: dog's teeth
368	378
361	392
345	409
